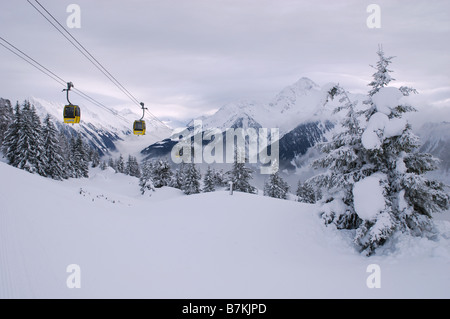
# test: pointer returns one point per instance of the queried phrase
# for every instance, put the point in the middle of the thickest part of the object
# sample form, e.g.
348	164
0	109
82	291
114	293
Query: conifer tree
276	187
55	161
161	174
11	138
112	164
240	175
6	117
191	183
145	181
78	158
95	158
381	77
132	167
306	193
103	165
120	164
346	162
30	150
178	177
378	161
209	181
219	178
66	151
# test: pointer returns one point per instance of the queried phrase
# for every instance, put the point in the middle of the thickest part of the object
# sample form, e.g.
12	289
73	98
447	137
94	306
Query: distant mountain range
299	111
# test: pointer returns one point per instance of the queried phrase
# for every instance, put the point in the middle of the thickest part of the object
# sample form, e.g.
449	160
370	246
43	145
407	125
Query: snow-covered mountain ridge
301	102
301	112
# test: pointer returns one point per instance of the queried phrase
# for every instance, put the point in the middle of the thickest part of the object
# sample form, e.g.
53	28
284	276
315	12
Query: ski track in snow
200	246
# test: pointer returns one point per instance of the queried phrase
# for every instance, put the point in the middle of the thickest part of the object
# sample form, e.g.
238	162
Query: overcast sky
185	58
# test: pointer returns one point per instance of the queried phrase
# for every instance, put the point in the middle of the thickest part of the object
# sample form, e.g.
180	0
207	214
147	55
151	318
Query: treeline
130	167
155	174
188	178
38	147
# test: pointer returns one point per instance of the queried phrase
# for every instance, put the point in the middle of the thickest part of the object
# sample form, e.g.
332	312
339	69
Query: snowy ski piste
209	245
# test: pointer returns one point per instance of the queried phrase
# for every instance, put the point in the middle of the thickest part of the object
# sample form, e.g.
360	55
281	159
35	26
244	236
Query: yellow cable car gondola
71	113
139	125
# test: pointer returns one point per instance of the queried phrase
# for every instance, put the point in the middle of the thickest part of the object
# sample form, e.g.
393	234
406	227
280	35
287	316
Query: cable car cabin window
139	126
69	111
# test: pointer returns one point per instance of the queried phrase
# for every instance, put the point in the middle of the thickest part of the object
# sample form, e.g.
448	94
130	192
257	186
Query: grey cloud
187	57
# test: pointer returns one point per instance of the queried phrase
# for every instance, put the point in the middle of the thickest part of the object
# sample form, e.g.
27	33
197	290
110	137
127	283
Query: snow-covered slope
106	130
209	245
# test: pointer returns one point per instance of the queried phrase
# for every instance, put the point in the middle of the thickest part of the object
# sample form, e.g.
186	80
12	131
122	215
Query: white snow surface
211	245
368	197
379	128
386	99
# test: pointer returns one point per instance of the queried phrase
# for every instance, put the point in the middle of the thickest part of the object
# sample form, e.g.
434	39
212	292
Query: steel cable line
112	78
19	53
40	68
90	57
74	45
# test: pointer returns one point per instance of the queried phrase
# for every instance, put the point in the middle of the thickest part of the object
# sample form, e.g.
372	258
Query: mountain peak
305	84
302	87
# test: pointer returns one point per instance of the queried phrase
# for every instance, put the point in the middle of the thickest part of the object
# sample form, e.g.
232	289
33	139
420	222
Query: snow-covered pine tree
219	178
71	165
409	197
240	175
112	164
88	152
11	139
41	159
30	150
103	165
132	167
375	181
127	165
55	160
6	117
381	77
161	174
346	162
178	177
78	158
95	158
120	164
306	193
66	151
191	183
209	182
146	181
276	187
